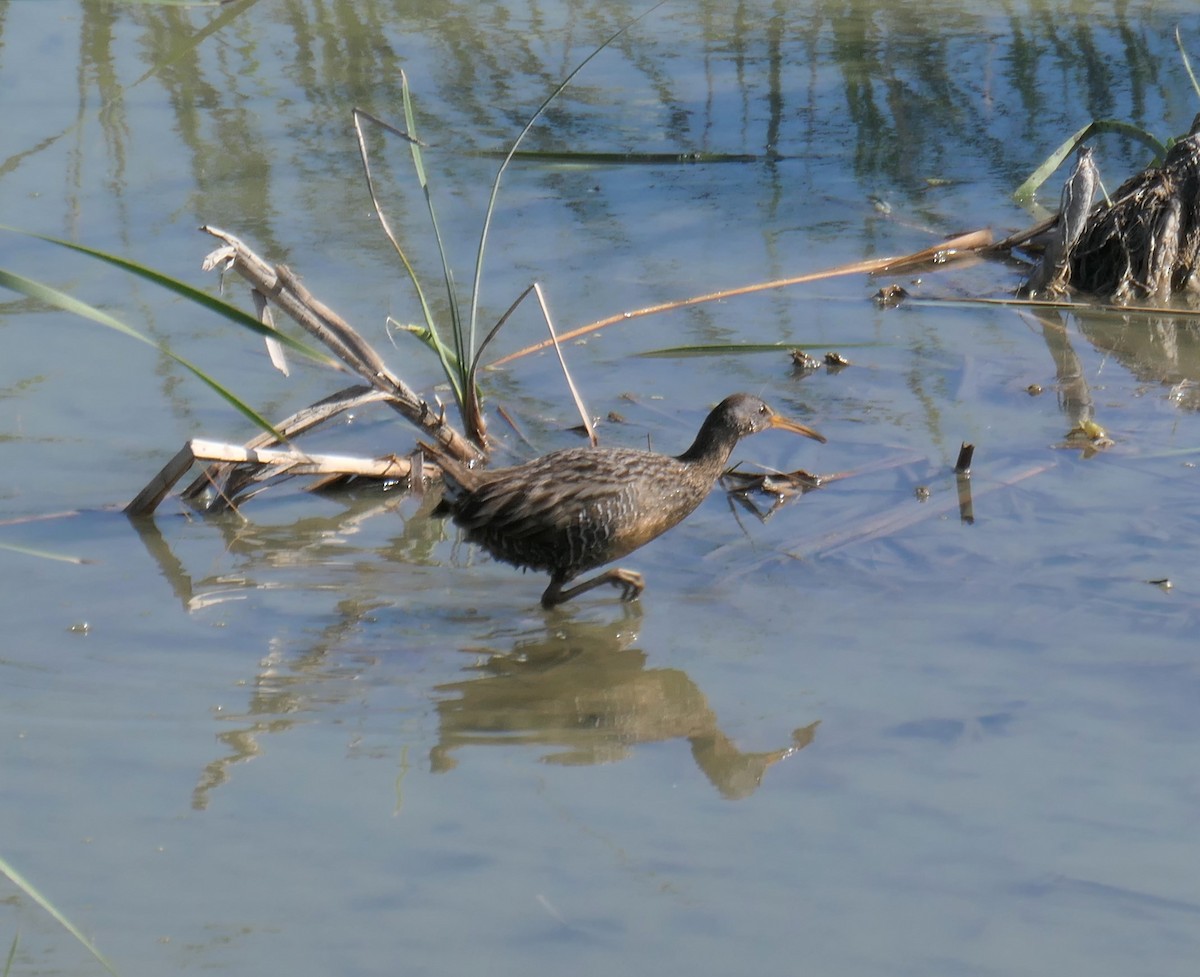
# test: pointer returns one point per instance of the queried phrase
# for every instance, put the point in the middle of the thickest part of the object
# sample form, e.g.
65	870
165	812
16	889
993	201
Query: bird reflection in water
584	694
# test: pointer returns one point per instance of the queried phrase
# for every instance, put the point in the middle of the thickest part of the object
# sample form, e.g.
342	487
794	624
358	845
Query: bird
572	510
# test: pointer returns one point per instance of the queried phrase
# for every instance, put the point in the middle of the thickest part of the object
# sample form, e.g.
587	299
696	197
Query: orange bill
787	424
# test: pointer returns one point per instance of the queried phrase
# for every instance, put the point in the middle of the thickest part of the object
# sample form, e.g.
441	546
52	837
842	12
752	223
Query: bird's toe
630	582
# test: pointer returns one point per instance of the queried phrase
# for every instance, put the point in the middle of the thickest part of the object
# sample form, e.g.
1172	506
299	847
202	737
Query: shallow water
871	734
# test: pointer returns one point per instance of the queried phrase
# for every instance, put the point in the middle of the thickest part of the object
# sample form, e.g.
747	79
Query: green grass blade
1052	162
431	336
727	349
27	887
41	292
491	207
182	289
12	953
457	378
429	339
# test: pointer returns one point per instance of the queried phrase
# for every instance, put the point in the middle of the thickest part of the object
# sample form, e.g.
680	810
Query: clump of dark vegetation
1143	243
1146	243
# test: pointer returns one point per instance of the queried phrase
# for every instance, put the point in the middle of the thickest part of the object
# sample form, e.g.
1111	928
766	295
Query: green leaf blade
41	292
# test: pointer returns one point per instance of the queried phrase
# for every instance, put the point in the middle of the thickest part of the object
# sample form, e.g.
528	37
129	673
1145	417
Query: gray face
748	414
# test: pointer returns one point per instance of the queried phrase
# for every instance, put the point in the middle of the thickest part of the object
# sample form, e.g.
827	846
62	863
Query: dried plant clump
1143	243
1147	243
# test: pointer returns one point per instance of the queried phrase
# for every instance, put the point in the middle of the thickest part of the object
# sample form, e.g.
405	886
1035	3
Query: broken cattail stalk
965	455
1052	273
962	473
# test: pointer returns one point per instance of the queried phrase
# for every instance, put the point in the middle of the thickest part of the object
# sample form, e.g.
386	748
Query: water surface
867	735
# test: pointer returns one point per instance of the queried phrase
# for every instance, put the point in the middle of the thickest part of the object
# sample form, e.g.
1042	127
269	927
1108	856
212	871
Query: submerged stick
1065	304
966	504
962	483
149	498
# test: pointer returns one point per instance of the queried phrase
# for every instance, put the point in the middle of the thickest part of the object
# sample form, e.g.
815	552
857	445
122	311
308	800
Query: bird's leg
630	582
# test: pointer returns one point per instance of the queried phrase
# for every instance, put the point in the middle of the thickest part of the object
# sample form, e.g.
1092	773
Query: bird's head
747	414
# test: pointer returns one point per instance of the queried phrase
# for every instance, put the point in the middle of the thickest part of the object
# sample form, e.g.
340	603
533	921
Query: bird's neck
712	447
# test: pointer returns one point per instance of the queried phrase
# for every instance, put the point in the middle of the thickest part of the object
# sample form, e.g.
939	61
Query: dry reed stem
231	482
302	463
562	362
282	287
960	246
281	461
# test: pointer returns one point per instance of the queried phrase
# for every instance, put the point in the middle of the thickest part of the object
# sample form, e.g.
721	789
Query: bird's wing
523	508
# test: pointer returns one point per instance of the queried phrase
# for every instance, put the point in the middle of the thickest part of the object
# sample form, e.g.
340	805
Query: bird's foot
630	581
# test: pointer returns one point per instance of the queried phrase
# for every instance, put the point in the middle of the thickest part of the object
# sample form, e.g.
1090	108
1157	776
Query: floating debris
1088	435
1181	393
1034	390
744	488
891	295
1088	429
781	484
836	361
804	361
